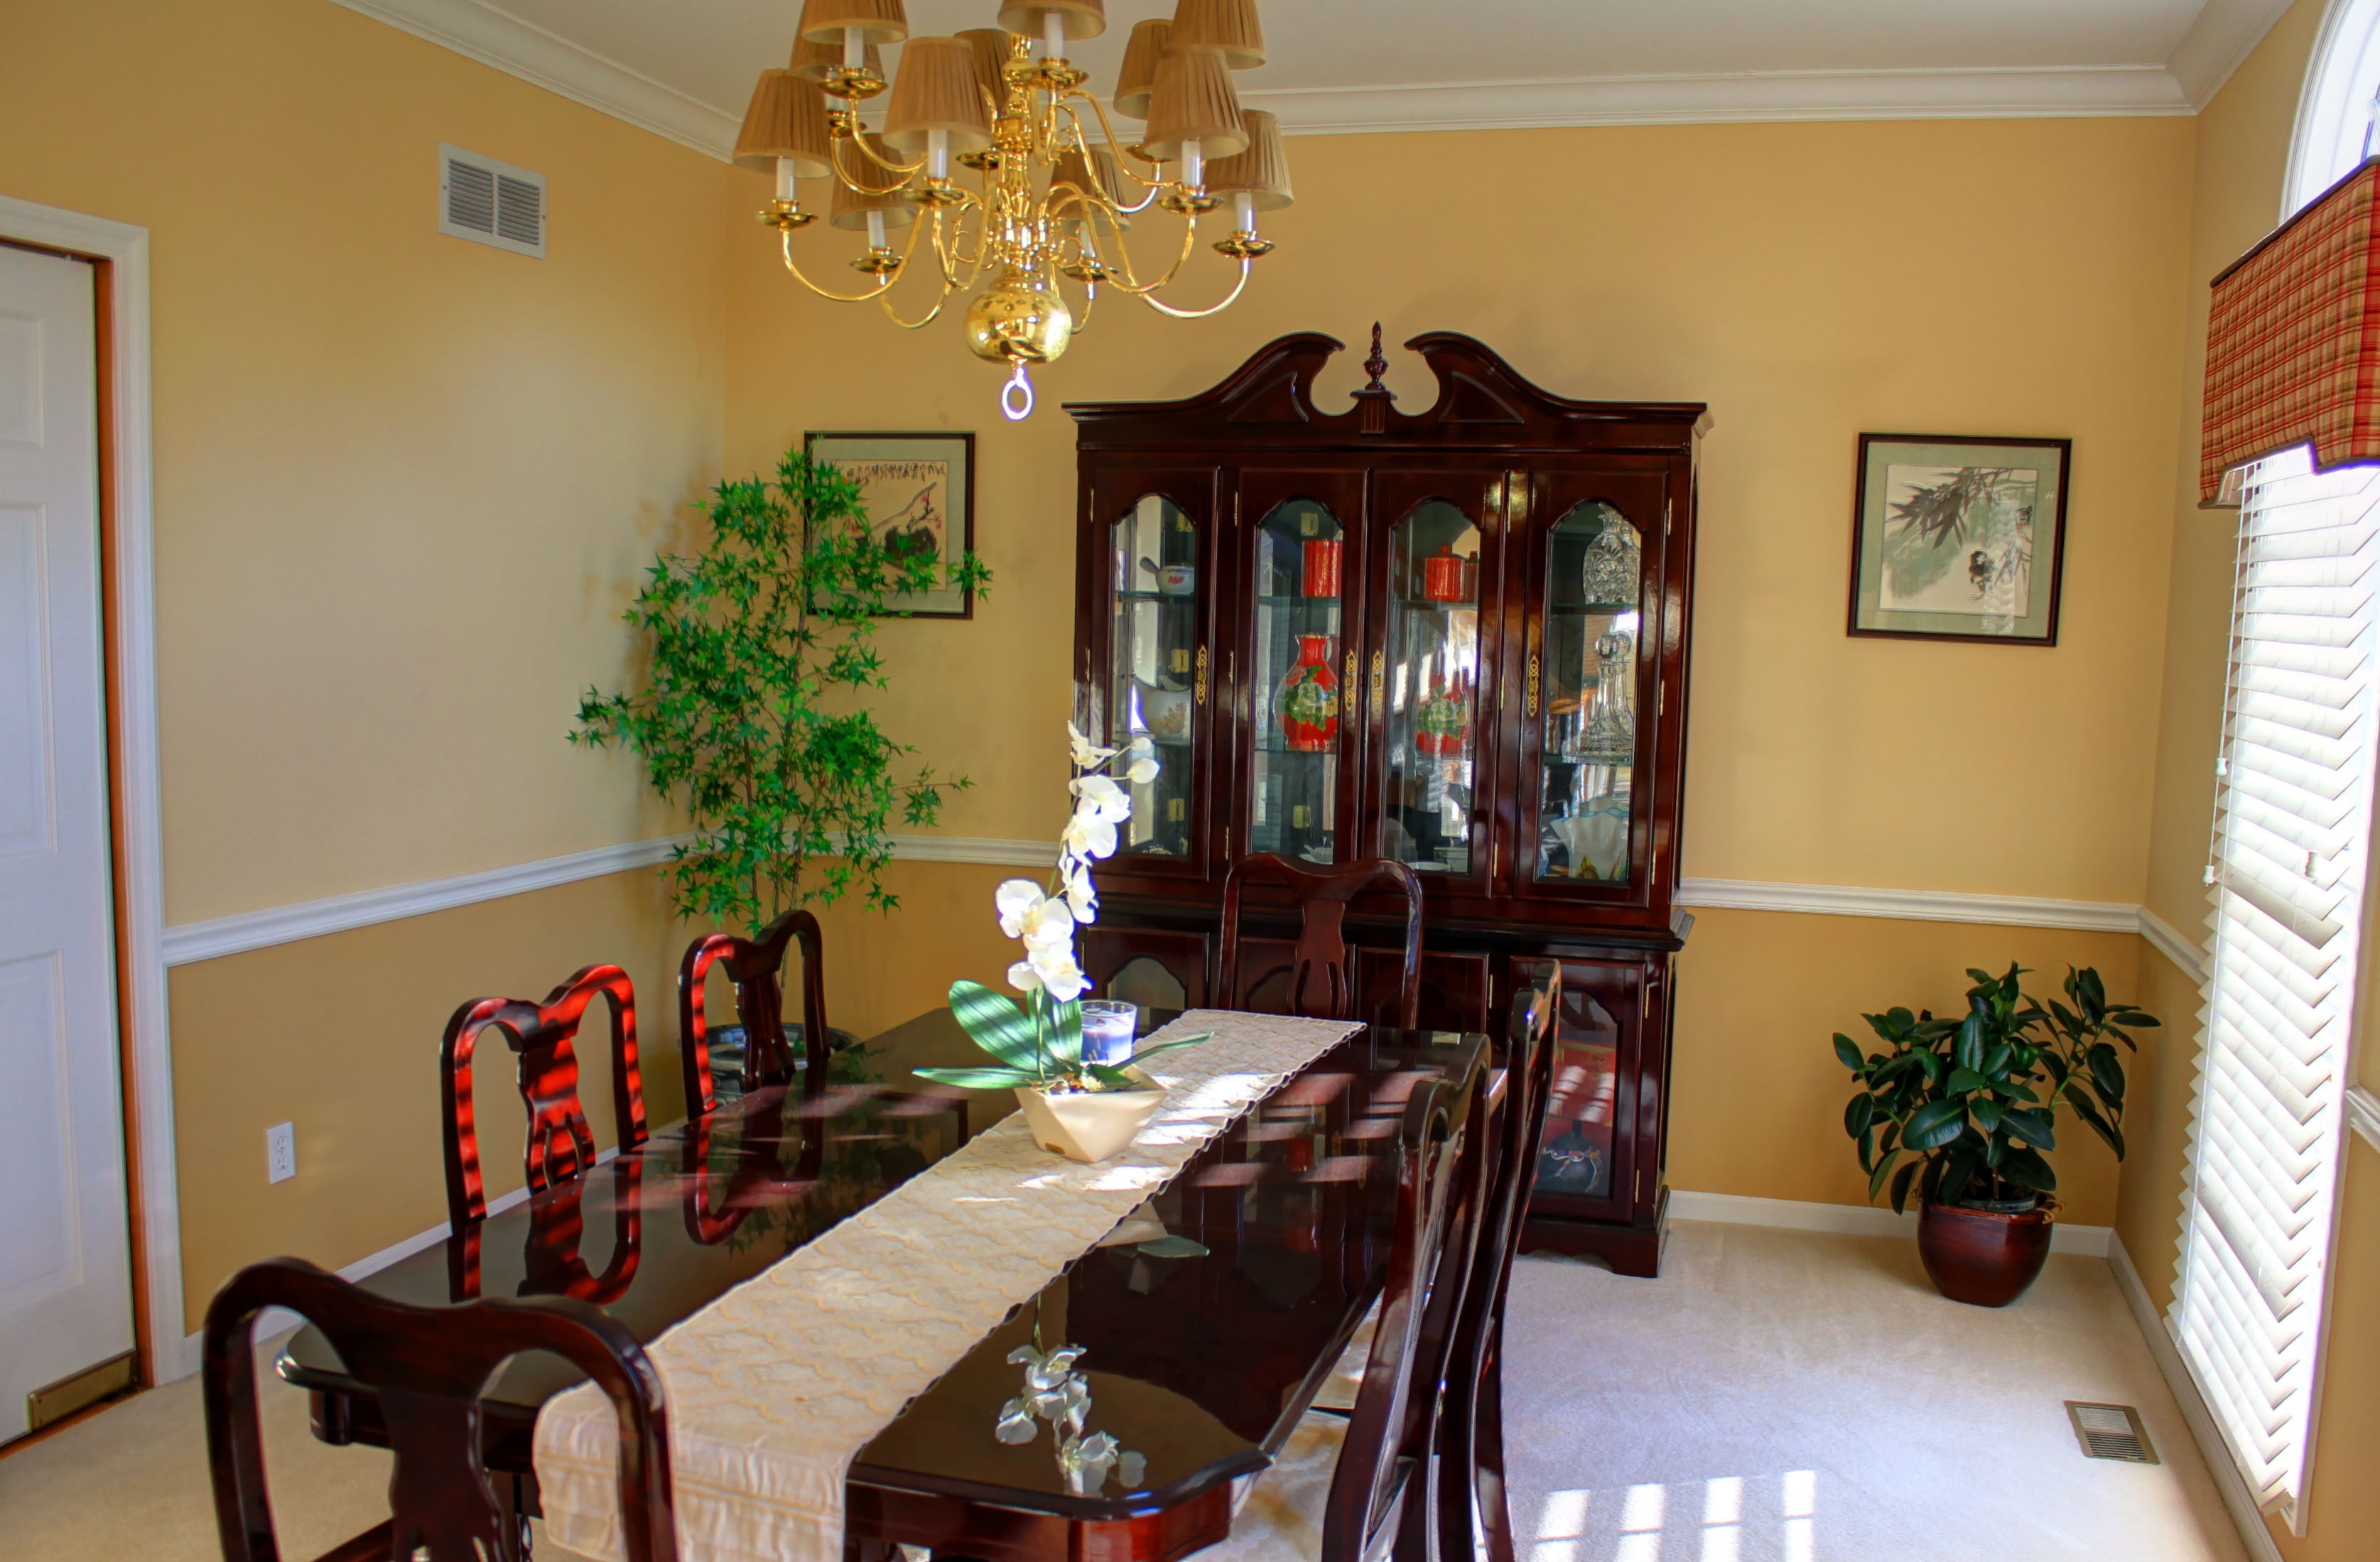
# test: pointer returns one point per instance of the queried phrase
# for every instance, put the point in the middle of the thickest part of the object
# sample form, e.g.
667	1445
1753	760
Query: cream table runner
774	1387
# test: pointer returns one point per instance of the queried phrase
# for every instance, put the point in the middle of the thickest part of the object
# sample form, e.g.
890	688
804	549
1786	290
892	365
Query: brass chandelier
1054	189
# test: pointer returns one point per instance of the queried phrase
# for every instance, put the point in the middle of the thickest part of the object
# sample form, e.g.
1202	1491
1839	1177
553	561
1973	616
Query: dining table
1203	1323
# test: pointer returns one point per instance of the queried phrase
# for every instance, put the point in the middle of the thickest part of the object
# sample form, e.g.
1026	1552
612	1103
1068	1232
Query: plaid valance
2293	342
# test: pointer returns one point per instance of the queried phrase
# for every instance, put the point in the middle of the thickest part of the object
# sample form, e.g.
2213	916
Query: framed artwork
920	491
1959	536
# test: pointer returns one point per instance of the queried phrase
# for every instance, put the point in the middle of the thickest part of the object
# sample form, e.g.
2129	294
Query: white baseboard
280	1320
2237	1498
1850	1220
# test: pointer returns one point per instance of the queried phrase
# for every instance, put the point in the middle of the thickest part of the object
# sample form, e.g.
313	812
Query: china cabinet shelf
1475	616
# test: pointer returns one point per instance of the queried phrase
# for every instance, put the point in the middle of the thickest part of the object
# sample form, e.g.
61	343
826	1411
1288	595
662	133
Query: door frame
119	252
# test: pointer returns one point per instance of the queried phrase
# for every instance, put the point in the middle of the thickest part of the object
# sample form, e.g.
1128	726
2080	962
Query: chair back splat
1471	1444
757	966
429	1367
1381	1483
561	1145
1322	969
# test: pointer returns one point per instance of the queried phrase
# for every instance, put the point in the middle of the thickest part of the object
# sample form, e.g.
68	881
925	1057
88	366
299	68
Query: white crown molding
2237	1498
1852	1219
2169	941
2225	33
1911	905
518	48
2053	94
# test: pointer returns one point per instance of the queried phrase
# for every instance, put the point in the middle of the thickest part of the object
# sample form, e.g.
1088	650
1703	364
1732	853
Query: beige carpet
1774	1397
1785	1397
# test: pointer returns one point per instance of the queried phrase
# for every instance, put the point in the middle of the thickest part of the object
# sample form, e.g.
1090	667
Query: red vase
1307	703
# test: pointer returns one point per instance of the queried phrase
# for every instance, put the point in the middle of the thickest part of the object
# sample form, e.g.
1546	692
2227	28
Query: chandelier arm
1107	129
852	182
929	317
1130	282
876	292
1162	306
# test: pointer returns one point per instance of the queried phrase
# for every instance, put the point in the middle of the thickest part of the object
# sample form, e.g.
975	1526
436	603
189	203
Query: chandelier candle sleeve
815	62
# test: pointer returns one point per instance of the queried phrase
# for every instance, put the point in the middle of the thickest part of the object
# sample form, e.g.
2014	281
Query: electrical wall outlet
279	1152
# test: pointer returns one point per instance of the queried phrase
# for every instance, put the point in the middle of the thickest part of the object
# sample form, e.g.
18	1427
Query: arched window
2336	107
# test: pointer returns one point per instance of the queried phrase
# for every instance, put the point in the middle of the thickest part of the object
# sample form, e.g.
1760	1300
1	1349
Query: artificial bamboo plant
753	714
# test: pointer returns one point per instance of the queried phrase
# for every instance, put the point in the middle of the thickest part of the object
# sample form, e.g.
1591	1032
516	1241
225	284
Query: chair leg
1457	1447
1488	1439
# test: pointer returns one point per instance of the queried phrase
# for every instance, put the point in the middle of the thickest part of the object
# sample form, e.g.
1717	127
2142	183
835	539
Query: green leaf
1112	1076
2108	1071
980	1079
1883	1169
2026	1168
1143	1050
1970	1054
994	1022
1934	1125
1959	1170
1996	1061
1172	1246
1066	1035
1931	1064
1966	1082
1849	1052
1858	1114
2098	1124
1987	1113
2030	1124
1901	1188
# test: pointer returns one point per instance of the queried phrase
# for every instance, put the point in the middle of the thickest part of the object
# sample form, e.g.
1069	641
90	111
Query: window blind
2292	830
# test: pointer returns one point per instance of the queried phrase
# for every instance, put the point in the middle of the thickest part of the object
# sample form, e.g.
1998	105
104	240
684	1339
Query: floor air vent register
2110	1432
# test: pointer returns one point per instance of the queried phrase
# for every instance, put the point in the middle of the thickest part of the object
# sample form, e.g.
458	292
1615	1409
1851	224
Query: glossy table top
1206	1320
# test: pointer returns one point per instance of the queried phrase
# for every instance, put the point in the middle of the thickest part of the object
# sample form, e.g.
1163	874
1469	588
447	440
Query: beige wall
404	484
1809	281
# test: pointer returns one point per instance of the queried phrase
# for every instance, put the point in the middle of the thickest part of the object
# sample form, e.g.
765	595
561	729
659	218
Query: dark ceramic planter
1980	1257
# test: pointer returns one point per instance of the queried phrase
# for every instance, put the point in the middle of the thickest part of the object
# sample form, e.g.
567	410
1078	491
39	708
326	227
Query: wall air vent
491	202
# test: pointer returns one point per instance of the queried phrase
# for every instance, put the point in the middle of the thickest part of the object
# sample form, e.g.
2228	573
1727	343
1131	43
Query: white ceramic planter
1090	1125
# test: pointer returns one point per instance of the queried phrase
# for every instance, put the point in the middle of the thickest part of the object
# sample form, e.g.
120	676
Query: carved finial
1377	364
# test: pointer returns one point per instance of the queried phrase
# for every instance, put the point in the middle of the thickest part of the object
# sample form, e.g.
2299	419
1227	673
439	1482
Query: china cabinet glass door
1584	1159
1303	568
1590	702
1433	651
1159	675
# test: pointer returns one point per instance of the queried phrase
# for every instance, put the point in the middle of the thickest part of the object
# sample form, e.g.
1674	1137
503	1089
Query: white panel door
66	1282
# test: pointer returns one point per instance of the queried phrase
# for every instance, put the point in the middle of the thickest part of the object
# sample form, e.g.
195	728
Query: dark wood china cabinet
1456	637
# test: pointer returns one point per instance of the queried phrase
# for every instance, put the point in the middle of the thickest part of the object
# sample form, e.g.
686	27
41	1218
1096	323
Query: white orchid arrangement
1039	1045
1056	1393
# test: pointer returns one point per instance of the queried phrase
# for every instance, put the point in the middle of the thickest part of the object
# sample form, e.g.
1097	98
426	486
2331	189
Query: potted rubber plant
1083	1110
1959	1112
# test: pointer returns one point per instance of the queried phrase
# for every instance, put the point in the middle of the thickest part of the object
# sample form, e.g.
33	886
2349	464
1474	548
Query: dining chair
1322	967
429	1367
1471	1443
1352	1489
757	968
560	1143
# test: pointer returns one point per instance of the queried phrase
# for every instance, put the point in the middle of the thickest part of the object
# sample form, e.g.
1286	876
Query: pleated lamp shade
826	20
787	120
1082	18
1228	25
1073	170
936	91
1262	171
1138	77
851	208
813	59
1194	102
991	46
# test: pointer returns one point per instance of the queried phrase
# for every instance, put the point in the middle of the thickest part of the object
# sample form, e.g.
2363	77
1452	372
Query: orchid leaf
994	1022
980	1079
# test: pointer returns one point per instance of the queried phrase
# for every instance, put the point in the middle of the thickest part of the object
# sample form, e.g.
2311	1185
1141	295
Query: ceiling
684	68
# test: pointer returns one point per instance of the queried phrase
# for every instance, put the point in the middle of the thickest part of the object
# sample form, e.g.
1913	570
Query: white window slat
2289	852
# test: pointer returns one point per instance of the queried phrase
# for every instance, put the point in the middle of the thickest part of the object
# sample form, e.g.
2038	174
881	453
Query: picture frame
1947	541
915	485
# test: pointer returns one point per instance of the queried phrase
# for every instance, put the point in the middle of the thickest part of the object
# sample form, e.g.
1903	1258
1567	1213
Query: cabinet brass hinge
1531	707
1379	681
1347	687
1198	689
1667	510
